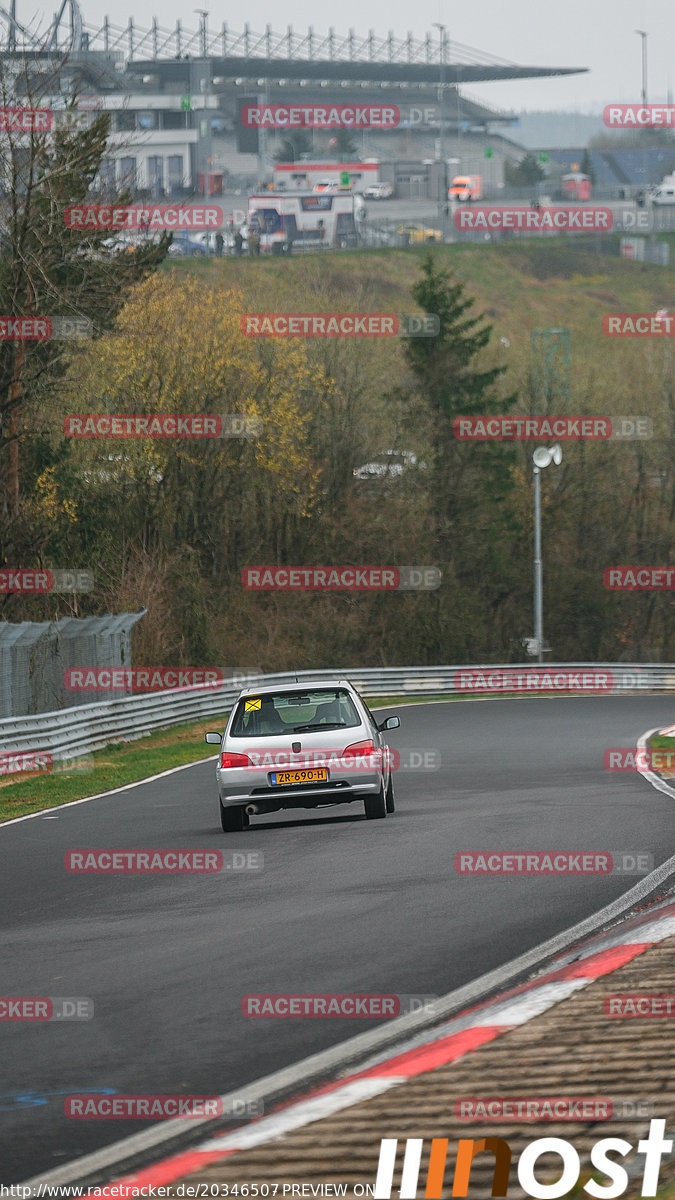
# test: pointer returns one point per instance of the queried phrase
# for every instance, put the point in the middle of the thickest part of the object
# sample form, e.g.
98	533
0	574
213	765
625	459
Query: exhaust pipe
262	806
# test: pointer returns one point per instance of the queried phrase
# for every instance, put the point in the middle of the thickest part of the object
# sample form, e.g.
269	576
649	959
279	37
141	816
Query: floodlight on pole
542	457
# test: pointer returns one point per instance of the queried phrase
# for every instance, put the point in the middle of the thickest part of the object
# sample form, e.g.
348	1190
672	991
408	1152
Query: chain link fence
34	657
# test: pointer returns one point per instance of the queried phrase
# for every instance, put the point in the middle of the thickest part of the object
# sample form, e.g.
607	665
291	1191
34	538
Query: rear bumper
340	789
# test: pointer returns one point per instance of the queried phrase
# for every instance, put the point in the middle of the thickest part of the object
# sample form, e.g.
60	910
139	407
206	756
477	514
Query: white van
664	194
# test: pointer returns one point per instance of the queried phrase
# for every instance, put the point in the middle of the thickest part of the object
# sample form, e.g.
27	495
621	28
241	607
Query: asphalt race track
342	905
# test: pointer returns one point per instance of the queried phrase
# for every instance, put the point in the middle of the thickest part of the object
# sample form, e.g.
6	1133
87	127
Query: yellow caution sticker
251	705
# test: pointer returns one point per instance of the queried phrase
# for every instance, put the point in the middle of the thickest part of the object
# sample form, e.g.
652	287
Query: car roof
301	685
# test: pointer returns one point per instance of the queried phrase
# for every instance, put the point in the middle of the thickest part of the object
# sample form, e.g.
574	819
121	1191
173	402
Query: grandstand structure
175	95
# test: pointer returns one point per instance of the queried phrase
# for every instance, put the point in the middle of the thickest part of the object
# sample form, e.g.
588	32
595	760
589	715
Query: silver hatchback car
302	746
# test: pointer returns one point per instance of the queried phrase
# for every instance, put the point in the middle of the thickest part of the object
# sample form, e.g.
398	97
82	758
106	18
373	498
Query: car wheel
233	820
375	806
391	807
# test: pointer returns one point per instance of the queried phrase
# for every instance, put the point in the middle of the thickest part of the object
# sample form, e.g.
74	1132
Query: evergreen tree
470	482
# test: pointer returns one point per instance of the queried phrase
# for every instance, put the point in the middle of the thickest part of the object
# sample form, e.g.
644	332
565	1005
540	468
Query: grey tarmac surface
342	905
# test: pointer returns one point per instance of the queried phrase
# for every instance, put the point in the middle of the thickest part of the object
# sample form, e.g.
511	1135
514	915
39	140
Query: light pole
205	89
541	458
443	202
642	34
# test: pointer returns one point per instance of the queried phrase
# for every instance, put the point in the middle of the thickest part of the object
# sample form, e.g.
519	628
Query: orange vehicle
466	188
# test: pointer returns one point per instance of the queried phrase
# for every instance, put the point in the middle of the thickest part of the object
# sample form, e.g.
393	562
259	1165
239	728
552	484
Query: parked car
187	247
379	191
388	464
415	233
664	193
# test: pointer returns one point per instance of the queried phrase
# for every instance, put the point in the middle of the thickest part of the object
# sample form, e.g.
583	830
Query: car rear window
285	712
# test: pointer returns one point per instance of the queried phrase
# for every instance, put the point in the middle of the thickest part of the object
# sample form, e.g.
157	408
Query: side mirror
390	723
213	739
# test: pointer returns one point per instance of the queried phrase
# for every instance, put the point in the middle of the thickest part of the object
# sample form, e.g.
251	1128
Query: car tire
233	820
375	806
389	795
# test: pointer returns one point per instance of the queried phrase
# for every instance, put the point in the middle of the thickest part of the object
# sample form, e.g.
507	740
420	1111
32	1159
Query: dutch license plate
314	775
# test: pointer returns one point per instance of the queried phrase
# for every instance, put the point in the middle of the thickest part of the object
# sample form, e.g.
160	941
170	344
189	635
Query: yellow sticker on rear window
251	705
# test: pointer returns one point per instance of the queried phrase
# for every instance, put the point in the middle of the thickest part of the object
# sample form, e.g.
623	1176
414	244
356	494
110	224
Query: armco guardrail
72	732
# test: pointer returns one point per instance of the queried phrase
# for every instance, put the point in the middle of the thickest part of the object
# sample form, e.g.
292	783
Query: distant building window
127	176
156	175
124	121
175	171
107	174
174	120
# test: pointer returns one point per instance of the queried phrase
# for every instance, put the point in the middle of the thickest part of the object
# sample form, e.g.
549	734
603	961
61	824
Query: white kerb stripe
303	1113
522	1008
411	1168
385	1169
653	931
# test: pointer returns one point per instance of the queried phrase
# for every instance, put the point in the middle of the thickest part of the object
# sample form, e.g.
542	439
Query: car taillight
359	749
234	760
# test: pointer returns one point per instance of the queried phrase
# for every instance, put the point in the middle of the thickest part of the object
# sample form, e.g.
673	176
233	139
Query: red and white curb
434	1048
657	781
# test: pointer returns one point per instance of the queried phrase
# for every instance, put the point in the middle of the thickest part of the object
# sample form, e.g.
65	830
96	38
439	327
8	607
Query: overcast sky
598	34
